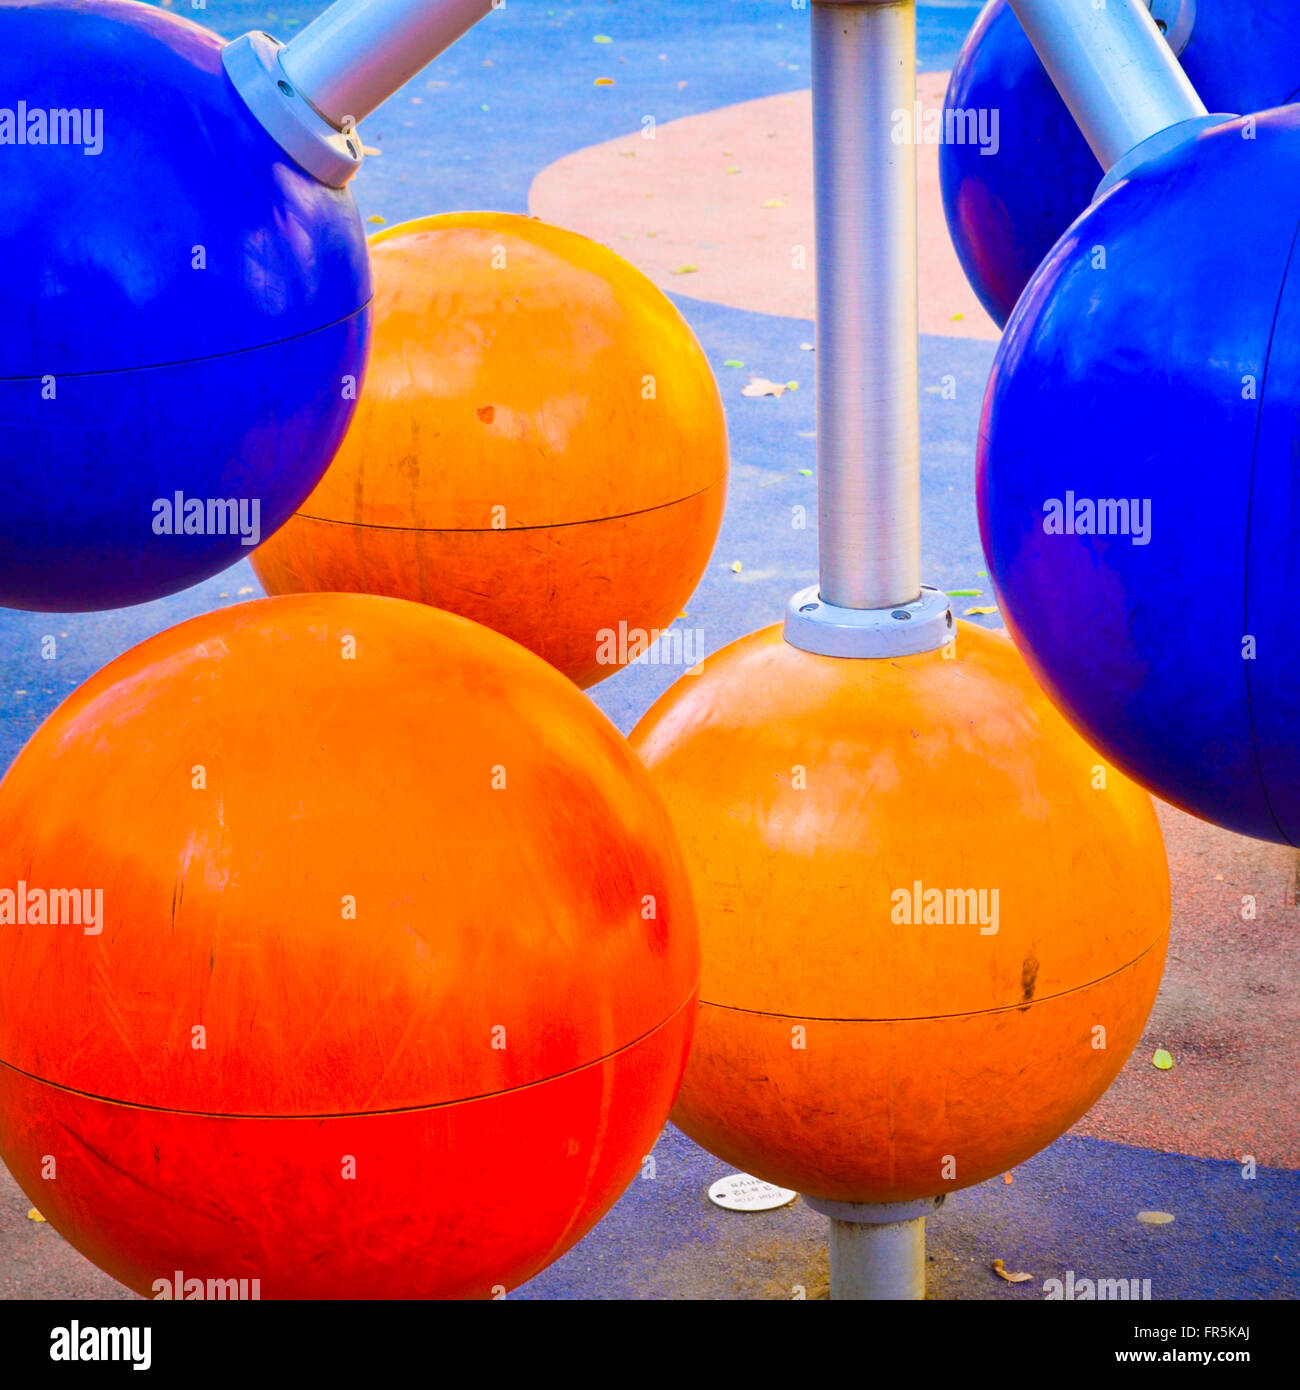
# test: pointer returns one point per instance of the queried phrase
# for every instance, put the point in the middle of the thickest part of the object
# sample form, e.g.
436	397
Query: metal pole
868	433
877	1248
1113	69
359	52
870	601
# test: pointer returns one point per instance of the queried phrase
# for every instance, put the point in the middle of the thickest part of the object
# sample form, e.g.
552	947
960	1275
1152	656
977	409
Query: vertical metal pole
868	432
1113	69
877	1248
868	438
359	52
878	1262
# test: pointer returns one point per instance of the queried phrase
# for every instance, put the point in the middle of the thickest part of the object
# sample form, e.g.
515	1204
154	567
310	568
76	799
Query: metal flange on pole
310	93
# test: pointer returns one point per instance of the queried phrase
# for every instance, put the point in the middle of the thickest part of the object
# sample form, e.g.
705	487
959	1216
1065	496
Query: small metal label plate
742	1192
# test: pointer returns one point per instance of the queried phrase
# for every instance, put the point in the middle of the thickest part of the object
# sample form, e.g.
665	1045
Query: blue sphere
187	310
1005	211
1139	475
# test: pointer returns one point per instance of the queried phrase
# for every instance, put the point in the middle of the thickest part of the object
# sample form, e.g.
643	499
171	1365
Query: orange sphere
861	1039
386	976
539	444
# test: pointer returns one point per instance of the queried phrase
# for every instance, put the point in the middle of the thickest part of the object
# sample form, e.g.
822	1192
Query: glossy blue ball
1006	210
1154	361
186	310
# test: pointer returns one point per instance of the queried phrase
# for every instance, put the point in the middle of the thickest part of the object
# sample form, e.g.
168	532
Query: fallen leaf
34	1215
972	612
1003	1273
805	472
1155	1218
793	385
604	82
686	270
735	169
628	154
602	38
1008	1178
806	347
1162	1059
957	318
733	362
965	593
761	386
774	203
247	589
736	567
376	218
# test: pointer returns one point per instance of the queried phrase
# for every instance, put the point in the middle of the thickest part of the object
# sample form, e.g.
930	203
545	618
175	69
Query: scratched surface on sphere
475	131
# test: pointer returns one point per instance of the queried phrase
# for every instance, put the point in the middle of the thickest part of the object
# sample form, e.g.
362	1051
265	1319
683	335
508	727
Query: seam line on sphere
961	1013
195	361
506	530
359	1114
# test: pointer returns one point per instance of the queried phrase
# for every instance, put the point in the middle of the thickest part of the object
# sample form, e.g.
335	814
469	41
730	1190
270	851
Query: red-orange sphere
539	444
859	1038
393	972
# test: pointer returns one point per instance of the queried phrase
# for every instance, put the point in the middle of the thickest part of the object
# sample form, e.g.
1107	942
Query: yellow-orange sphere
539	445
845	1048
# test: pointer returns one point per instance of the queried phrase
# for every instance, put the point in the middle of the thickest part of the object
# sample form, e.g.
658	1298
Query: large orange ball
539	445
395	968
850	1046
